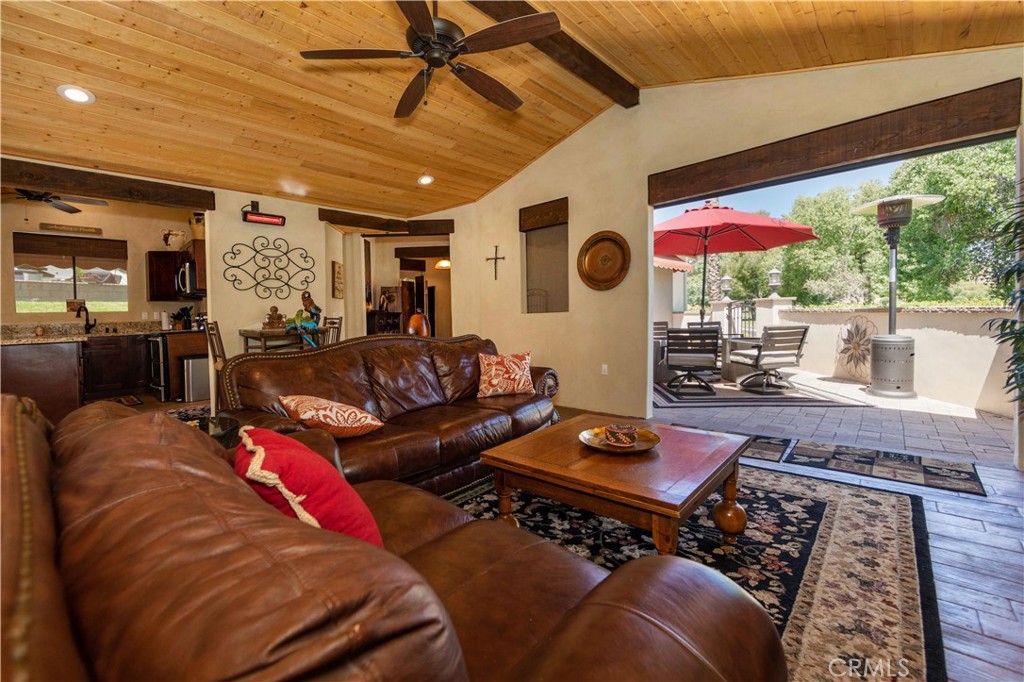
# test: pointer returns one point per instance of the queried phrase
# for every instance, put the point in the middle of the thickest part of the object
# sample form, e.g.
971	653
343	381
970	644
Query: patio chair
662	374
690	351
717	326
781	346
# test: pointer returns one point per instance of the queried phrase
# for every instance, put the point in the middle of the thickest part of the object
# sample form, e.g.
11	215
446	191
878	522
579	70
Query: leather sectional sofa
423	389
132	551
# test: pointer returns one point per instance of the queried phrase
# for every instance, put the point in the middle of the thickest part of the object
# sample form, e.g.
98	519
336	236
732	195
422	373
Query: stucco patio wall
956	358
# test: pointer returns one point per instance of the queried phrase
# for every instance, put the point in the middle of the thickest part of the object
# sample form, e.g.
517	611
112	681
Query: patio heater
892	355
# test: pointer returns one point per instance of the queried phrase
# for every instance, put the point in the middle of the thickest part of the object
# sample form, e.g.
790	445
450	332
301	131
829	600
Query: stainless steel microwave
186	283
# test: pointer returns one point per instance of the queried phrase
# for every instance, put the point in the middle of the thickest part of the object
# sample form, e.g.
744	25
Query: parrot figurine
311	308
304	325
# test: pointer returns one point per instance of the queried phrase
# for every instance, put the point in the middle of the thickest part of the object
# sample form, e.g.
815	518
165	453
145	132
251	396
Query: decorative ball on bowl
620	435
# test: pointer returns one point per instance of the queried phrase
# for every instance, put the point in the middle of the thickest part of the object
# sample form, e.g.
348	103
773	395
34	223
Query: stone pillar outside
768	310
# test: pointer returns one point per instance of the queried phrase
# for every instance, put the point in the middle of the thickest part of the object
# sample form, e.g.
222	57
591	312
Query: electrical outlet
604	369
145	315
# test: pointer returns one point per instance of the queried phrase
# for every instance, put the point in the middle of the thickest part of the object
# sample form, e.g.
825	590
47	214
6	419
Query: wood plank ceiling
215	94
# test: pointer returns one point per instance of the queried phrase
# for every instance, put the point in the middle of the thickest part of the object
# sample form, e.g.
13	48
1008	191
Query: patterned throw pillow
302	484
338	419
504	374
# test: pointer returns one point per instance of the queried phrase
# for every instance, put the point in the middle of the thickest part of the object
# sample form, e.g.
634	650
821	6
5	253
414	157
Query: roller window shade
81	247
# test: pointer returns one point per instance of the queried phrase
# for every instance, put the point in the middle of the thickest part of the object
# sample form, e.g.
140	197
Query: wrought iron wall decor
270	267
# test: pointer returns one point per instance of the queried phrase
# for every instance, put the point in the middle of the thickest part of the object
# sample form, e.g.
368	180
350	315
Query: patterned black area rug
844	571
186	414
730	396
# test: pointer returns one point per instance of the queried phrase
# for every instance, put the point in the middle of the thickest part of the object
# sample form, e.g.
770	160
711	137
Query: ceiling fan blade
355	53
67	208
414	92
511	32
25	193
417	13
487	86
82	200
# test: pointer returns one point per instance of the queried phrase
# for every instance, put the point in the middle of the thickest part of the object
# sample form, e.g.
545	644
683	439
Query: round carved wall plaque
604	260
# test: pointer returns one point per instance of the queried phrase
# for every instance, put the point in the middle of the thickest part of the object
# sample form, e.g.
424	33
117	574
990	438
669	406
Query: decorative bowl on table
598	439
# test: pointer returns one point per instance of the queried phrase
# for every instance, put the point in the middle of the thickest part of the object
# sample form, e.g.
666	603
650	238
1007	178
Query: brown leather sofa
131	551
423	389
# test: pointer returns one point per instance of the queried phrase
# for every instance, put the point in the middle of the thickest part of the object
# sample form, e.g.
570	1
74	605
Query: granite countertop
65	337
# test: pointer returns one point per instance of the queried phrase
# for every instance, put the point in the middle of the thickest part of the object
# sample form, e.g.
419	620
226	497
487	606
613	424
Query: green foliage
1010	233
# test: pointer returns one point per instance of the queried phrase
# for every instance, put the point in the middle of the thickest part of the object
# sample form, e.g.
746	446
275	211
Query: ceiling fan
440	42
62	203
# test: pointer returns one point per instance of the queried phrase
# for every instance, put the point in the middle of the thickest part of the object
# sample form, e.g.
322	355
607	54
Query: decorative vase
198	225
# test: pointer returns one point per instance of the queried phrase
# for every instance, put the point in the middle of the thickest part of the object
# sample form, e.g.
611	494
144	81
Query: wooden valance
971	117
82	247
555	212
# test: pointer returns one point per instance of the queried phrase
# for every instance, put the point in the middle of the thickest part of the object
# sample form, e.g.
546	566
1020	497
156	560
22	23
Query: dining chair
218	358
780	346
331	331
691	351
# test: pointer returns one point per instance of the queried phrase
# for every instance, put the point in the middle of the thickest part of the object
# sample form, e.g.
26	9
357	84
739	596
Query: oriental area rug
844	571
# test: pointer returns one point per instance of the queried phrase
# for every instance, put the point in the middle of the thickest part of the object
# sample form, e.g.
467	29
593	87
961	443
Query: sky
779	199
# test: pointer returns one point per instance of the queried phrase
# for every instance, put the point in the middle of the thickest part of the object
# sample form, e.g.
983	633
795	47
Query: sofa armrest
264	420
694	622
320	442
545	381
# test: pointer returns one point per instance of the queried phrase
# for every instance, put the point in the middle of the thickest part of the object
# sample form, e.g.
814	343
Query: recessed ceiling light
425	179
76	94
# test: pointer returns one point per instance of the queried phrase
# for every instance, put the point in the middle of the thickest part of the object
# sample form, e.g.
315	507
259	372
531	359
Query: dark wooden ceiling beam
422	252
41	177
968	117
568	53
389	226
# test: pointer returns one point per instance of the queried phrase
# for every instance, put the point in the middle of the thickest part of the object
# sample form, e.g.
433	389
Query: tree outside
949	253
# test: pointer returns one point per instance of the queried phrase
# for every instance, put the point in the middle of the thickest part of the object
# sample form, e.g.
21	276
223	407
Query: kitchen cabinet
49	373
114	365
162	271
180	345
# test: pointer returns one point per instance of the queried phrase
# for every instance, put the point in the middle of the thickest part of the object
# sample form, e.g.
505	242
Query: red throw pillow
338	419
302	484
504	374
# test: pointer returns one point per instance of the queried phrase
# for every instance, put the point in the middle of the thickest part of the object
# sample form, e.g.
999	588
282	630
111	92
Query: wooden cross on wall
496	259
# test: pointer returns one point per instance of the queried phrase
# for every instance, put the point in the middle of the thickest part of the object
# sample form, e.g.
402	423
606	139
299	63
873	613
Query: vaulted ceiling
215	93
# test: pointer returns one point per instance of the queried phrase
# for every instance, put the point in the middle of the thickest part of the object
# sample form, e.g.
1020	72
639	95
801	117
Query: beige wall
661	295
603	169
956	360
141	225
235	309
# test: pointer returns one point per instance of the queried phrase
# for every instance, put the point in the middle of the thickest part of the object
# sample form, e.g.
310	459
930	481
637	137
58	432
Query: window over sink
50	270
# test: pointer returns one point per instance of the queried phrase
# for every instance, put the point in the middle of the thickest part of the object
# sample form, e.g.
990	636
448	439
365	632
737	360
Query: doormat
893	466
903	467
844	571
729	396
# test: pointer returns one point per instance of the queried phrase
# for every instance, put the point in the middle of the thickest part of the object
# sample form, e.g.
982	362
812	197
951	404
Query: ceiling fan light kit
440	42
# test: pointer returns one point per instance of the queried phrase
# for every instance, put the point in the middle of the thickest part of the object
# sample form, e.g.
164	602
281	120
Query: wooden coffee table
653	490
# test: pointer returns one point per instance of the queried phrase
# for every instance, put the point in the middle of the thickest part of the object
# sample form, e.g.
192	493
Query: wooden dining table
264	340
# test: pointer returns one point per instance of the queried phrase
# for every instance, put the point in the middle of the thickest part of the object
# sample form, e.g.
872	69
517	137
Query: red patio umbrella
720	229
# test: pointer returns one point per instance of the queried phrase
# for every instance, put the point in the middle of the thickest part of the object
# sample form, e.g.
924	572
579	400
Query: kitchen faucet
88	325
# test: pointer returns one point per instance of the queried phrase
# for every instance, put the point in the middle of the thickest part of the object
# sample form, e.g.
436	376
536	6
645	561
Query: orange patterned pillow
338	419
504	374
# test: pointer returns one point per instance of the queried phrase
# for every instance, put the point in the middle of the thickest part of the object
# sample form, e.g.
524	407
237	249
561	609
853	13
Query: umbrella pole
704	282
